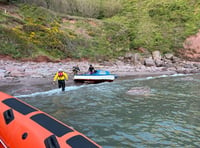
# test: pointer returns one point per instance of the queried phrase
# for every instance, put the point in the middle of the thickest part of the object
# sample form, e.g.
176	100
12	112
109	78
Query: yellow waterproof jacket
62	77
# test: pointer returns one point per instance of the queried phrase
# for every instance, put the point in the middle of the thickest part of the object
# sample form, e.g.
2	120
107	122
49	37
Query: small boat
96	77
24	126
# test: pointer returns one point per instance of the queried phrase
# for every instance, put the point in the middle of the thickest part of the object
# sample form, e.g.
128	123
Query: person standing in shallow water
61	76
76	69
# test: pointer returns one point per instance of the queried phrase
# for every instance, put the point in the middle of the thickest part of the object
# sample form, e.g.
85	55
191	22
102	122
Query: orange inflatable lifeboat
24	126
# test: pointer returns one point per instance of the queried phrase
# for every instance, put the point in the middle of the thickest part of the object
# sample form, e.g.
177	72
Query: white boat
96	77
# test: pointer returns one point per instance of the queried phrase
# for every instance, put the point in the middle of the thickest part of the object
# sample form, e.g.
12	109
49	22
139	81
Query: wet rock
180	69
188	66
175	59
171	69
158	62
196	65
149	62
168	56
139	91
2	73
195	71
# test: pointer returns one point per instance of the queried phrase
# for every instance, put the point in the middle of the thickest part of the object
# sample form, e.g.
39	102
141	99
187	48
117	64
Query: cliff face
191	49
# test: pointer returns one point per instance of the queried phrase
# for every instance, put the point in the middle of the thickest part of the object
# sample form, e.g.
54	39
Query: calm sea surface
167	116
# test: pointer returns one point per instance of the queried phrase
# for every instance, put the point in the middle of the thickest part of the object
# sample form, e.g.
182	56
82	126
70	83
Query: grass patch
155	25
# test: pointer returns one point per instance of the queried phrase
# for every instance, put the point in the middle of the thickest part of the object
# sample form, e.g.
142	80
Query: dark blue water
166	116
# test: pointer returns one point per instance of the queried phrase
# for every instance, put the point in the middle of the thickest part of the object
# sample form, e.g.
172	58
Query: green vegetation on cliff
106	32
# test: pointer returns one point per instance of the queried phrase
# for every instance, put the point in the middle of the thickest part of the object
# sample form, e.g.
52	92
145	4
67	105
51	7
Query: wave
161	76
51	92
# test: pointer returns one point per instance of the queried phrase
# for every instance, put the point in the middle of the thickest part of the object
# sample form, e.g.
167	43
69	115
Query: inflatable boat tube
24	126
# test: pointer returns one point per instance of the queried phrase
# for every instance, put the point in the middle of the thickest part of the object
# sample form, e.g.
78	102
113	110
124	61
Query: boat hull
94	78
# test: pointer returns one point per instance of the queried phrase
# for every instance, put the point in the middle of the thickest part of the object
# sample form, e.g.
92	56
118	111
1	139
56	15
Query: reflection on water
169	117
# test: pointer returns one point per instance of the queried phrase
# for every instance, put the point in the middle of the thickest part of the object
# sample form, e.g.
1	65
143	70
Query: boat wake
162	76
50	92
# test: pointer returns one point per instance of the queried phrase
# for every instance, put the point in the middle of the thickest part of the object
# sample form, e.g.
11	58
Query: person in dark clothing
75	69
91	69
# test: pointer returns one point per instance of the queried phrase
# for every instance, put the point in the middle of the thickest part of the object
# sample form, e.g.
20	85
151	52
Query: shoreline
25	85
18	78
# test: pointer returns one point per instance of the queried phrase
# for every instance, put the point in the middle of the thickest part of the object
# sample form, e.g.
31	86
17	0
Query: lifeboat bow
24	126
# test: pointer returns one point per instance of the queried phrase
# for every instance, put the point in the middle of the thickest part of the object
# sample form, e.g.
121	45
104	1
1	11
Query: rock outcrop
191	49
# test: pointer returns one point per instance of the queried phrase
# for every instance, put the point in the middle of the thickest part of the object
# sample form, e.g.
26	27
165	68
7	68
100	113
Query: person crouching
61	76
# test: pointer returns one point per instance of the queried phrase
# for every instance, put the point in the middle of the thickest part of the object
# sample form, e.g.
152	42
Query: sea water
168	115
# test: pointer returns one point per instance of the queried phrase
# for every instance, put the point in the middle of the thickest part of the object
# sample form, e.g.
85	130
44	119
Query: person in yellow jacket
61	76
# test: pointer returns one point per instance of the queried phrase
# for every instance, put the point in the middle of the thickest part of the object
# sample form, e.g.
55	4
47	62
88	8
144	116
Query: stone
156	55
168	56
136	59
149	62
159	63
